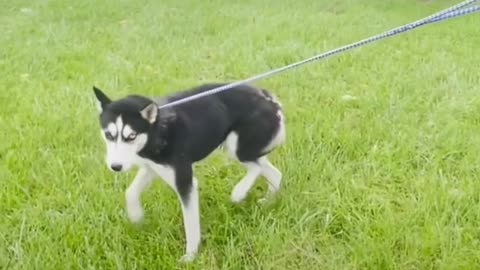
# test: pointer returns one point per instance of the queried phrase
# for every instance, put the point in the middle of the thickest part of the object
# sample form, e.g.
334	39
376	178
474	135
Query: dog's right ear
102	99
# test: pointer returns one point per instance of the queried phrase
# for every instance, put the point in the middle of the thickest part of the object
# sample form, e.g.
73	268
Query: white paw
189	257
238	194
135	214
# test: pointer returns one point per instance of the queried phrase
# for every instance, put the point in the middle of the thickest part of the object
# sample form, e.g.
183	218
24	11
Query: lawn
385	179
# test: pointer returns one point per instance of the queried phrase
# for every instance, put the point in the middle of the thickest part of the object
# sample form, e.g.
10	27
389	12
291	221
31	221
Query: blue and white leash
455	13
449	13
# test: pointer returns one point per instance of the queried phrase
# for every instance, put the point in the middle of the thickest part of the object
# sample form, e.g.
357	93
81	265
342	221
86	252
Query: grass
386	181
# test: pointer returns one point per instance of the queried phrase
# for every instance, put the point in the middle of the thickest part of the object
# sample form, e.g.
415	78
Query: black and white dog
165	142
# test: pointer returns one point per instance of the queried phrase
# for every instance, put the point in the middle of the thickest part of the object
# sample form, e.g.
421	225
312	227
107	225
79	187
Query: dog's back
252	116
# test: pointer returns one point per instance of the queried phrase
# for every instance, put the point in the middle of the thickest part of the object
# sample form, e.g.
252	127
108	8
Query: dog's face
125	127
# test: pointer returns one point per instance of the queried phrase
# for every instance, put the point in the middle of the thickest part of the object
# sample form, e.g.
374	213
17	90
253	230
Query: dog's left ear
102	99
150	112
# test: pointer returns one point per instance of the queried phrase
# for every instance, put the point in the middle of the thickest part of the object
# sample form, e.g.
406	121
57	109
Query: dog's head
126	125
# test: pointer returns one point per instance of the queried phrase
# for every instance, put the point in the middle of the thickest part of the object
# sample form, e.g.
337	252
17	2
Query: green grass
387	181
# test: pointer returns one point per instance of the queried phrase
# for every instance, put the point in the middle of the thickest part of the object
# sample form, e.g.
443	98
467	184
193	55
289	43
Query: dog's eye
131	137
109	136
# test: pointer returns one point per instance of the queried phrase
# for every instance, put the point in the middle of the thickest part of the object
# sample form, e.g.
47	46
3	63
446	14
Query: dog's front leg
187	189
133	193
180	178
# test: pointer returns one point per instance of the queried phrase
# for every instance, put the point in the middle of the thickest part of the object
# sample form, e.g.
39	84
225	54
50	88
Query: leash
458	10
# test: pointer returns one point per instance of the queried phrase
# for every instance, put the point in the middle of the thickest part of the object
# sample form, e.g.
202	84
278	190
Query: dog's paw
189	257
237	197
135	215
238	194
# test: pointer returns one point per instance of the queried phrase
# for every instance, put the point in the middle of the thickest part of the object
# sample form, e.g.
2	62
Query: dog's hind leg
254	169
241	189
272	174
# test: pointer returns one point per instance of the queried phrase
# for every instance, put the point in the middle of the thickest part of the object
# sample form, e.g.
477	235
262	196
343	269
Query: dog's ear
102	99
150	112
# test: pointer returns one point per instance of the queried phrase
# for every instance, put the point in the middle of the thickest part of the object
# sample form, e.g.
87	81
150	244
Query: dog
247	122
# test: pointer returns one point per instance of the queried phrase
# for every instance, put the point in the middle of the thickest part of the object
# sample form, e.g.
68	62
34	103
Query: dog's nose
116	167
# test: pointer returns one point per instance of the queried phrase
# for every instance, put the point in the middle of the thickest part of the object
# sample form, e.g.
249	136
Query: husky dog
165	142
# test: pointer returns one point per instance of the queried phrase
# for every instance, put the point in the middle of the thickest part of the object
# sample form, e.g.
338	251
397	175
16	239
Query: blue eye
131	137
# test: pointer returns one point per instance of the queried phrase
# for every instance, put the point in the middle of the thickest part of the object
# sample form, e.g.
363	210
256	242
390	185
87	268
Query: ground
381	166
